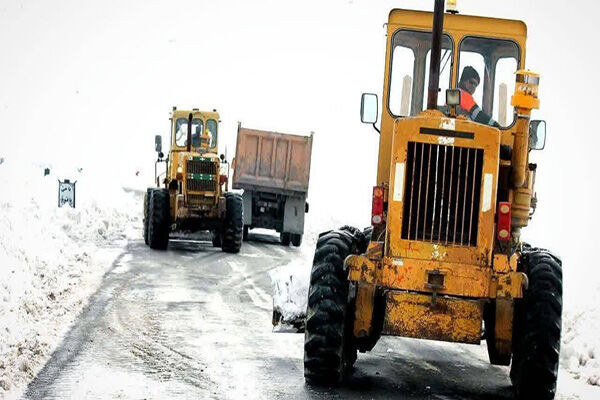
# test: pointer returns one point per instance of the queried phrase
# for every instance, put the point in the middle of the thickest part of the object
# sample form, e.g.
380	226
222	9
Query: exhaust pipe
189	133
436	54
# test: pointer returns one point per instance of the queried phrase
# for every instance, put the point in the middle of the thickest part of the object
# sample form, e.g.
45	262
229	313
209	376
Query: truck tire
285	238
233	229
537	327
296	239
146	207
329	349
158	219
216	238
246	229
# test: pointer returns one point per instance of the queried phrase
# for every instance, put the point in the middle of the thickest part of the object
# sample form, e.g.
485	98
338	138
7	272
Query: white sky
94	81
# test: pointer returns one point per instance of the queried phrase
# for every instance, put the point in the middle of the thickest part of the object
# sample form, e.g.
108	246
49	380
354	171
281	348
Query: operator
197	136
469	81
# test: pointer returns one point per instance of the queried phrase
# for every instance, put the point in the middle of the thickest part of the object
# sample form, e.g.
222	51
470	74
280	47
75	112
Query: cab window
409	71
212	125
181	129
496	62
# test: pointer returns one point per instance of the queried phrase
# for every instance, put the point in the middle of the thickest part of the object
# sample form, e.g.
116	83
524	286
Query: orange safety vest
466	101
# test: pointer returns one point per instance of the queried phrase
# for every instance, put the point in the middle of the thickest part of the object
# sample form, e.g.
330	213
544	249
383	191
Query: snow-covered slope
52	259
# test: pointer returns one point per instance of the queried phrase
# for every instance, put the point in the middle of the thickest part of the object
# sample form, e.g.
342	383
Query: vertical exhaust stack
189	133
436	53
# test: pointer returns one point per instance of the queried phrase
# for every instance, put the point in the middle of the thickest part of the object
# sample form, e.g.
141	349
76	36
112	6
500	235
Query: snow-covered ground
52	259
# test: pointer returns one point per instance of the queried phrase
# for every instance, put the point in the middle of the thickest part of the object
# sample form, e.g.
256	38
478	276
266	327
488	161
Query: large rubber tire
537	327
285	238
329	349
233	229
296	239
146	207
216	238
158	219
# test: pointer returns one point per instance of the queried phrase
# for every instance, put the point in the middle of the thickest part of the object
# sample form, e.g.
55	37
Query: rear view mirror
537	134
369	108
158	143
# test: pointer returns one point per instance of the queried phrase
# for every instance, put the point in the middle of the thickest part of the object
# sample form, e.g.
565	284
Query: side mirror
537	134
369	108
158	143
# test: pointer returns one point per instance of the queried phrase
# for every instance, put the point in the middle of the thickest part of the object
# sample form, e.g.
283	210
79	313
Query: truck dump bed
272	161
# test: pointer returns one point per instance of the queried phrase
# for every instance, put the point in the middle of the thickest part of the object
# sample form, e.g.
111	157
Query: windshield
211	125
181	128
409	77
495	62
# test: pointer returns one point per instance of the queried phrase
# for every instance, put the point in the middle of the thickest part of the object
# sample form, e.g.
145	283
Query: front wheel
537	327
329	348
233	231
158	219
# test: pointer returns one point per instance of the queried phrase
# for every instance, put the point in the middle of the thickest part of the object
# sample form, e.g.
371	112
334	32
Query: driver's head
469	80
198	130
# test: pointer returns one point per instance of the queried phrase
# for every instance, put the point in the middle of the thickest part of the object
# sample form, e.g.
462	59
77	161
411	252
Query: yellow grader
444	255
194	195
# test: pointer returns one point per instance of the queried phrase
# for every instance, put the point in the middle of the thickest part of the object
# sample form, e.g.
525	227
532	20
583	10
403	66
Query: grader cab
193	194
444	252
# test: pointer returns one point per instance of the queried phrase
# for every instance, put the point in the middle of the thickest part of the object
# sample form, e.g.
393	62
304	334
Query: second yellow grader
193	195
444	253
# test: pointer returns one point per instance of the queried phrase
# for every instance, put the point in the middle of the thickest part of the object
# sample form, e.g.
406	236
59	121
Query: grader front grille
442	194
201	165
201	185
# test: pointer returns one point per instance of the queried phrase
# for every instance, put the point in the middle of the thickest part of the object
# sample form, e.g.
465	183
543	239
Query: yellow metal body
437	289
190	200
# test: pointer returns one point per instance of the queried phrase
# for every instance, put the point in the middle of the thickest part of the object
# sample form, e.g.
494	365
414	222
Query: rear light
504	217
377	210
222	179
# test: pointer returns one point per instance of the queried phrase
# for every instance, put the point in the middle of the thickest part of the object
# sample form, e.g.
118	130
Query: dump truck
444	253
273	169
192	195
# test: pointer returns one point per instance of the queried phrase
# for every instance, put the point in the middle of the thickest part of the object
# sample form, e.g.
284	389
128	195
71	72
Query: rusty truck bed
272	161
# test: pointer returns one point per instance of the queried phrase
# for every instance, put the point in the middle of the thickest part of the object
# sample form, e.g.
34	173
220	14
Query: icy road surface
193	322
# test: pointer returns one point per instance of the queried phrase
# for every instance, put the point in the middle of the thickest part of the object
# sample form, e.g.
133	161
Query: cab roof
460	24
196	114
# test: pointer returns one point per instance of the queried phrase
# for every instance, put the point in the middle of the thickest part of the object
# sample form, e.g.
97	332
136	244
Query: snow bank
290	282
580	349
52	259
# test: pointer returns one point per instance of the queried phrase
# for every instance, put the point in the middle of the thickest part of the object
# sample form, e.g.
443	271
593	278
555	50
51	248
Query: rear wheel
146	207
537	327
285	238
329	348
296	239
158	219
216	238
233	231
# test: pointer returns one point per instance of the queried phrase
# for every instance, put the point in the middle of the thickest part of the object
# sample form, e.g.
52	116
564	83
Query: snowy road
194	322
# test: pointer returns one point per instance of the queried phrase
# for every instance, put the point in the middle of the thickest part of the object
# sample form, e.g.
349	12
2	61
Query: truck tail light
504	218
377	210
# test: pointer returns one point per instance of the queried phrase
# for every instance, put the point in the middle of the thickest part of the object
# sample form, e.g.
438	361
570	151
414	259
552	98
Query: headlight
453	97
